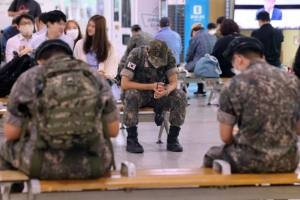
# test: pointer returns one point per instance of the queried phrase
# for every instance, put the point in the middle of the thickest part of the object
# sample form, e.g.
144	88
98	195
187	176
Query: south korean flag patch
131	65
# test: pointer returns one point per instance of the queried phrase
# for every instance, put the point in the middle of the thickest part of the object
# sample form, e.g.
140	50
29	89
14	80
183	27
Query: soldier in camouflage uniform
138	38
143	84
57	164
263	101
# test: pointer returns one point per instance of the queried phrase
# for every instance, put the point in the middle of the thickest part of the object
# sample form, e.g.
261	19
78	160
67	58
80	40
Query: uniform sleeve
13	6
171	68
110	112
131	64
131	45
226	113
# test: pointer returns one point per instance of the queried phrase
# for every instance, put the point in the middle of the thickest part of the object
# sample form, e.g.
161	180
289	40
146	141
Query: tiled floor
197	135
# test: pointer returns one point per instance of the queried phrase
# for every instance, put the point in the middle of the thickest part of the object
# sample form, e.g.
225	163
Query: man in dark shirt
31	7
270	37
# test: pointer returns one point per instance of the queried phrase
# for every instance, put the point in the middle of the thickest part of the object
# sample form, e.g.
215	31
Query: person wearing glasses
263	102
25	24
56	22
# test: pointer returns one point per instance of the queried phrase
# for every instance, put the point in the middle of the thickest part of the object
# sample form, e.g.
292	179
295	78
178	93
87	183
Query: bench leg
122	125
160	133
165	125
6	191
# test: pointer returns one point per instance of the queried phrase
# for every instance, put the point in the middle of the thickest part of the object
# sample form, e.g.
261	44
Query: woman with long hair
96	50
73	30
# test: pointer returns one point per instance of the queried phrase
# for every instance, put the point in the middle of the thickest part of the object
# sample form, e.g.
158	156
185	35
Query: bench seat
185	183
162	178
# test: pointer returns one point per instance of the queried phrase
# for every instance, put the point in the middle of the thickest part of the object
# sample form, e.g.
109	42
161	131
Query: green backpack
68	111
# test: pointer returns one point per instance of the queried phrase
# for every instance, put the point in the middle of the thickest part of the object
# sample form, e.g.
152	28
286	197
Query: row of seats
198	183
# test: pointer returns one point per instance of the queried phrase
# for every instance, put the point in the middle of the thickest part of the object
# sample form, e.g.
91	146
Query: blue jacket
276	15
173	41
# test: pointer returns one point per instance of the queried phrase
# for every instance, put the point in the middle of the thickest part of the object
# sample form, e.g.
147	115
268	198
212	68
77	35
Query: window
126	13
116	10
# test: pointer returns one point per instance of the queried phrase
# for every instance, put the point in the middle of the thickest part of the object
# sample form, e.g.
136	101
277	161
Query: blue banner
195	11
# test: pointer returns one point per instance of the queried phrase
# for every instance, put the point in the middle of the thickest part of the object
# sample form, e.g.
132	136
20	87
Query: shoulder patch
131	65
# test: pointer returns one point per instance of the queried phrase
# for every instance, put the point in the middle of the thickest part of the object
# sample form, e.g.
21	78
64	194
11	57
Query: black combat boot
172	141
133	145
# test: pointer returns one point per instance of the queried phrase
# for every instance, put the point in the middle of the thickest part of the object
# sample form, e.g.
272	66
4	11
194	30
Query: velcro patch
131	65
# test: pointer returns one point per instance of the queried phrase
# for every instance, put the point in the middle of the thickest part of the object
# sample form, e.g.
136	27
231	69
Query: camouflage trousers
56	164
248	160
134	99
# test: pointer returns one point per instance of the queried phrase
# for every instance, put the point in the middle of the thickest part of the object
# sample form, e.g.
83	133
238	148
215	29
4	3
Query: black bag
10	72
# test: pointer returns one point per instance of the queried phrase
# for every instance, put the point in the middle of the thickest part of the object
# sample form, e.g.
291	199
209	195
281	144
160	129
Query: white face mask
26	30
235	71
73	33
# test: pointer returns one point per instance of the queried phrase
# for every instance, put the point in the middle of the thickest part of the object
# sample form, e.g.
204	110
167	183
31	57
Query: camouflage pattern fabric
264	102
158	50
139	69
134	99
137	40
57	164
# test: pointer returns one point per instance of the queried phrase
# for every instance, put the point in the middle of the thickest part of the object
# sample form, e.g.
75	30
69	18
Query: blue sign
195	11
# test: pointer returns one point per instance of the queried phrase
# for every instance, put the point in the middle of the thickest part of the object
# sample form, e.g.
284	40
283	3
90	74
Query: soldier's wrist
168	92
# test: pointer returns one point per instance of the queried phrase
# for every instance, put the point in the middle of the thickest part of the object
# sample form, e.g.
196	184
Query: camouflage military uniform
137	40
264	102
57	164
139	69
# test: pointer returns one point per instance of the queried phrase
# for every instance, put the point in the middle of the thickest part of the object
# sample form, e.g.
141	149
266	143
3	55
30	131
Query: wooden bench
146	114
198	183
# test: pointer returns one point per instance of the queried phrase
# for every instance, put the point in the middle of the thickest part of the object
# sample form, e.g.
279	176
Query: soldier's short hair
136	28
50	48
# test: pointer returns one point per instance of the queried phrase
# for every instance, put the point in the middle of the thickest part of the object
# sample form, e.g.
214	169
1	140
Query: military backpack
68	112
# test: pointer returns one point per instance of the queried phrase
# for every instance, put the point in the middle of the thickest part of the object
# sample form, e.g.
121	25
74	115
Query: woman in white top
96	50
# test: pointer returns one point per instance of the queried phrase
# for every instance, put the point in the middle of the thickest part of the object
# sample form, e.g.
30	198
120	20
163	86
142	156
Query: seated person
201	43
25	24
73	30
8	33
229	30
42	24
56	21
263	101
296	64
21	152
142	84
95	48
137	39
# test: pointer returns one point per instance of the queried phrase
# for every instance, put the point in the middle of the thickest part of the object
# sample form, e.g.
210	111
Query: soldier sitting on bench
143	79
58	115
263	101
